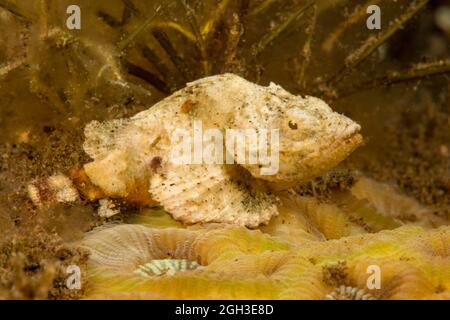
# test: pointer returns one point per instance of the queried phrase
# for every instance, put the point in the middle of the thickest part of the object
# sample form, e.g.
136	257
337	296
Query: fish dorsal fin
103	137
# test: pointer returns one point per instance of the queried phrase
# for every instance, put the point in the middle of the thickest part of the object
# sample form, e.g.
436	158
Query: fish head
312	139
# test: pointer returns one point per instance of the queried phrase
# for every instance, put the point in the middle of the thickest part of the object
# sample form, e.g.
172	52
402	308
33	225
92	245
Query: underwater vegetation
386	205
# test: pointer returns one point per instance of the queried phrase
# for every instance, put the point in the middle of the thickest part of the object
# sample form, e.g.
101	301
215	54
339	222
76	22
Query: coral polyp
349	293
165	266
187	264
116	254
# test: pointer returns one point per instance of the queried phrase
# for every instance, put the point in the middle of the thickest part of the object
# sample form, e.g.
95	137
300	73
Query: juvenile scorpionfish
218	150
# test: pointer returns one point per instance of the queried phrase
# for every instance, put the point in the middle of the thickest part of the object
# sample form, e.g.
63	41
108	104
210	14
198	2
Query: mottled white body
132	156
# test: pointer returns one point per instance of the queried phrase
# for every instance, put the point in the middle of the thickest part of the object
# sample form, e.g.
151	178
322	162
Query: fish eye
293	125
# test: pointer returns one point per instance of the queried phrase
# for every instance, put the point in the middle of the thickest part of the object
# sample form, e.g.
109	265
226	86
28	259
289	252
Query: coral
165	266
329	219
154	217
117	252
349	293
292	224
238	263
306	218
335	274
366	207
389	202
408	269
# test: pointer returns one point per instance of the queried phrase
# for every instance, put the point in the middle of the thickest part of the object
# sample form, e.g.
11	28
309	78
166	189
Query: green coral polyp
167	267
349	293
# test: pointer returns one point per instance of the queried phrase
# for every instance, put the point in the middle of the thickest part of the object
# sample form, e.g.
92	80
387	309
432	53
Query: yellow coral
236	263
387	200
293	257
154	217
367	208
412	260
117	251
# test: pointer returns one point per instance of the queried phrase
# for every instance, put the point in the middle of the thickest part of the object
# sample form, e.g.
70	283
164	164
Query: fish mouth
350	131
345	141
355	138
348	140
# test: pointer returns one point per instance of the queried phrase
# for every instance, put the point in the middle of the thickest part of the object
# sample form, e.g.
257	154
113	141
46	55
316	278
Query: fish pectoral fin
209	193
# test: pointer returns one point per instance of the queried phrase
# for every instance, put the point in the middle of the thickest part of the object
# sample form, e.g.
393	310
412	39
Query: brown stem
306	51
12	8
416	72
147	76
130	38
358	14
153	58
374	41
166	44
131	7
200	40
108	19
271	36
266	4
